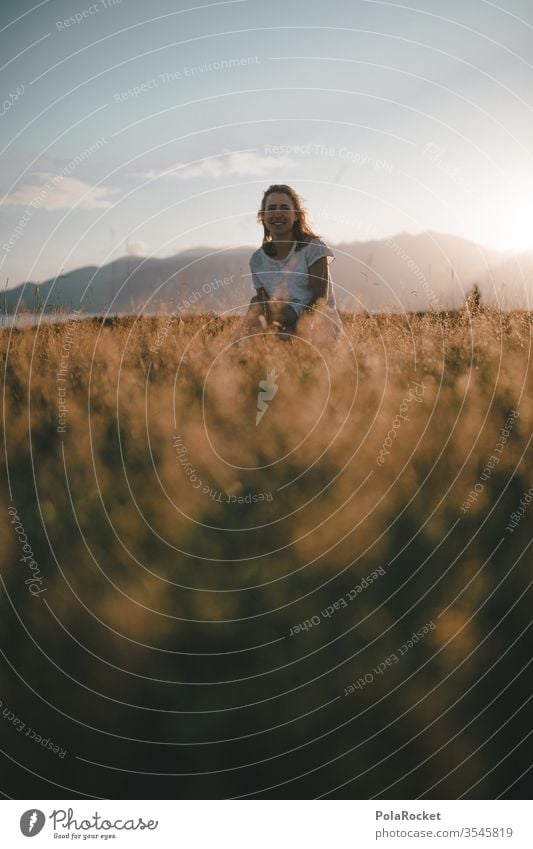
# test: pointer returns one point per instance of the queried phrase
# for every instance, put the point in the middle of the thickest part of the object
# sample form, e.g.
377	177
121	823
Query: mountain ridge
404	272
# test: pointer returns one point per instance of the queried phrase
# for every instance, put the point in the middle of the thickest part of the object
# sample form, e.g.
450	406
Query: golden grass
156	578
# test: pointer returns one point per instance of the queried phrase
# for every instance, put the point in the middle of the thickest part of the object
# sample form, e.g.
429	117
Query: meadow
331	601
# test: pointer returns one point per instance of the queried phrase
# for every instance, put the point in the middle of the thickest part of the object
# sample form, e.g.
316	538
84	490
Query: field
332	598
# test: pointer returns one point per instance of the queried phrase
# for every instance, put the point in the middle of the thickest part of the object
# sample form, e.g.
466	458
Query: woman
290	271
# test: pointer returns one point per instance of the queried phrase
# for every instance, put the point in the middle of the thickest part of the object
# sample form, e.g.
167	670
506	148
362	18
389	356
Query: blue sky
156	127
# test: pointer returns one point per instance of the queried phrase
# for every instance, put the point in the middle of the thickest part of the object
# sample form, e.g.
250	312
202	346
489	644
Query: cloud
54	191
139	248
245	163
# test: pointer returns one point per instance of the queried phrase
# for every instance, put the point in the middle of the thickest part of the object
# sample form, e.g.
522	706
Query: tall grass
179	544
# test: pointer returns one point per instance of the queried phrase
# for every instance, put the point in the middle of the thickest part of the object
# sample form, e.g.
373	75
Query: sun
508	219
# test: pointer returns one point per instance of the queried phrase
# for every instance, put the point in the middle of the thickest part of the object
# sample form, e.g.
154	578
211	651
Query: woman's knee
256	308
284	313
288	316
255	316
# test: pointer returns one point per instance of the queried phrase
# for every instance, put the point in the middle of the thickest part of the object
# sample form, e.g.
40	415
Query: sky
147	129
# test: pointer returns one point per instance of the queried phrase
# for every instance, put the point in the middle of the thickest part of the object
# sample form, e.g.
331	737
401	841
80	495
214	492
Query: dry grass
167	611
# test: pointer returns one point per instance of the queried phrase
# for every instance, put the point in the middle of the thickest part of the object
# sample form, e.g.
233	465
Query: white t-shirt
288	279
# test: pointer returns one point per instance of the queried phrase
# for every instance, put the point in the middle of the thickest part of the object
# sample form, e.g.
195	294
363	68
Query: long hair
302	233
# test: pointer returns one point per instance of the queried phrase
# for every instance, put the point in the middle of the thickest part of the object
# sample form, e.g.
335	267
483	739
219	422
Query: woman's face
280	216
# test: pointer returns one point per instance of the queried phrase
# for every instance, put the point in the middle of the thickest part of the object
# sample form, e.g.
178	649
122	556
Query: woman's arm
255	313
318	279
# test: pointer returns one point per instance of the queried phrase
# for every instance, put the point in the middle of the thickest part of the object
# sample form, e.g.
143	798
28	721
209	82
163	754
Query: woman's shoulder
314	244
258	257
316	248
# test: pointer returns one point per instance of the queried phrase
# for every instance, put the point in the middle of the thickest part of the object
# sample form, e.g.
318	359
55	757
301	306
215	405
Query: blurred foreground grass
179	543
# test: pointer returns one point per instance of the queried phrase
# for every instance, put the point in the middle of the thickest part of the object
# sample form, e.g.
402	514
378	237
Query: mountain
402	273
430	270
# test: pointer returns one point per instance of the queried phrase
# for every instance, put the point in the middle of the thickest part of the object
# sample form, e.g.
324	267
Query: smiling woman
290	271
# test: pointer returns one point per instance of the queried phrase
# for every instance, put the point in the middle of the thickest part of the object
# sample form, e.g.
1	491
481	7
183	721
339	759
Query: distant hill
404	272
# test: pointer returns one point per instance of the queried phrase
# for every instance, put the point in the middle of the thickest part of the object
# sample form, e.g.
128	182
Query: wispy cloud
139	248
50	191
242	163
